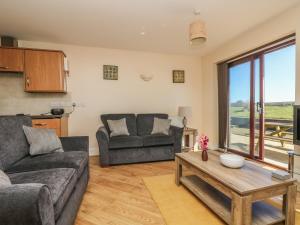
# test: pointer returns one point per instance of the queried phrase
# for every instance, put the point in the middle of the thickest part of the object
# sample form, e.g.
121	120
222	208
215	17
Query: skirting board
93	151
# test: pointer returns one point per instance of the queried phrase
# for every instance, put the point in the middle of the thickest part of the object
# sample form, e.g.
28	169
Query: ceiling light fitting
198	33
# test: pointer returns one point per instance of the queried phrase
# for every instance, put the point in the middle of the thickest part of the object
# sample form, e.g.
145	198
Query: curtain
223	99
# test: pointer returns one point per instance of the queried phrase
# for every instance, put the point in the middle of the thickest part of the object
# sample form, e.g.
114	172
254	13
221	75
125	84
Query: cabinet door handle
40	124
27	81
3	67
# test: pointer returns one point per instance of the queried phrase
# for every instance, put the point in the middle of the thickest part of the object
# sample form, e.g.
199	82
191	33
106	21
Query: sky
279	71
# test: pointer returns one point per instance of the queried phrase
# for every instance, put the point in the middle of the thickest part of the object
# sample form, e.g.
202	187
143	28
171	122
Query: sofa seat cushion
125	142
157	140
77	160
61	183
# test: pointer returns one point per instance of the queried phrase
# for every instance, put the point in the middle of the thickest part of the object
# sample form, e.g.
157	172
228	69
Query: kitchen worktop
47	116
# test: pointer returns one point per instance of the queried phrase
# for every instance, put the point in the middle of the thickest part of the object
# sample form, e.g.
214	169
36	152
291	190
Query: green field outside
271	112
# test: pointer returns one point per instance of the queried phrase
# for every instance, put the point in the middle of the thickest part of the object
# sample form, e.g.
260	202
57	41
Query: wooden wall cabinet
60	125
44	71
11	60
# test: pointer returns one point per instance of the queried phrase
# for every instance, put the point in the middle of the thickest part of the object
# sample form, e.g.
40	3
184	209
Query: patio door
261	98
279	97
246	118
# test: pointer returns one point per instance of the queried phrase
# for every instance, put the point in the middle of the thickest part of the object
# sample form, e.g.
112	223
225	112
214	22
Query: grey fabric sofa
47	189
140	145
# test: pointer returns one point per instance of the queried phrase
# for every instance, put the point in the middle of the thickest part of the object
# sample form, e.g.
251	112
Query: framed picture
110	72
178	76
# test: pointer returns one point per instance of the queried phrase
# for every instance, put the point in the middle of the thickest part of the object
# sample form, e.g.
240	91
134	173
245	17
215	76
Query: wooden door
11	60
44	71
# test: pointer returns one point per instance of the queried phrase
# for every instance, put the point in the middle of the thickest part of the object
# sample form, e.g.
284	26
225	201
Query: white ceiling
118	23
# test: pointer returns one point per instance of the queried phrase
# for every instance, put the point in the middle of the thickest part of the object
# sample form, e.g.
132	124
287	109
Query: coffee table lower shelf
262	213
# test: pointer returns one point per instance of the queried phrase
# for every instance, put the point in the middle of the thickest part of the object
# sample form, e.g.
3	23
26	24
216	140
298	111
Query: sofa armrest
177	132
75	143
103	141
26	204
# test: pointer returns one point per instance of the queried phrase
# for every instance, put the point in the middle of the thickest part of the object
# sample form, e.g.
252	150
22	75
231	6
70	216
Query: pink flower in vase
203	142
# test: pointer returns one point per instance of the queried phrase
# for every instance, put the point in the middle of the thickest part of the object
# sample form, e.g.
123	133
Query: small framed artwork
110	72
178	76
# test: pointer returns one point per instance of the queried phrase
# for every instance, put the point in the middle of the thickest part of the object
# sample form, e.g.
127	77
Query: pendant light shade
198	33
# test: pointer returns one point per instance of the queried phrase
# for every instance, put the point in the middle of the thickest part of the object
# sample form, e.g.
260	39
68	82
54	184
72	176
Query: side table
187	132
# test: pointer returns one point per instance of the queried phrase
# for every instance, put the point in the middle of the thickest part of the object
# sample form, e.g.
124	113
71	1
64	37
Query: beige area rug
180	207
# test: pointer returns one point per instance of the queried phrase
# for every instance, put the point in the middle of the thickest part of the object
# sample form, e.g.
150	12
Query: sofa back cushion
130	121
145	122
13	143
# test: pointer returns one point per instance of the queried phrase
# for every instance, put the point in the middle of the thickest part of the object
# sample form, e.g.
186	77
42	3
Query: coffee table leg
241	210
290	202
178	172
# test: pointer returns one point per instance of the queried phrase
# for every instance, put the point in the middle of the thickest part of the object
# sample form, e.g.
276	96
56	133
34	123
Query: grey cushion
157	140
77	160
42	141
161	126
145	122
60	182
13	145
125	142
4	180
130	121
118	127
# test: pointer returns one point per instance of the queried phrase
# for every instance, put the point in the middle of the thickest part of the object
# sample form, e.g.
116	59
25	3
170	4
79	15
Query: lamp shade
198	33
185	111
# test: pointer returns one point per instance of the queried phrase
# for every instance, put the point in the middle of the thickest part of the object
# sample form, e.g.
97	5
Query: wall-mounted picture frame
110	72
178	76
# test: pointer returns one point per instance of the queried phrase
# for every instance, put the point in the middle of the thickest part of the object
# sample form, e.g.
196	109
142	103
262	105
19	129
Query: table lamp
185	112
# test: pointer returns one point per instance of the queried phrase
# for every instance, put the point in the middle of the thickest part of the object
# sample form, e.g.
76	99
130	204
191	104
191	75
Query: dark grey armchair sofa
140	145
47	189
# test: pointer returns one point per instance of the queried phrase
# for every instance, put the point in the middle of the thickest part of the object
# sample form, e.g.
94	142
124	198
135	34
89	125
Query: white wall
129	94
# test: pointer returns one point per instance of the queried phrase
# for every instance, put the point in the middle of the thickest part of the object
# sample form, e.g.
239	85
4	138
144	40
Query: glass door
239	106
279	98
246	107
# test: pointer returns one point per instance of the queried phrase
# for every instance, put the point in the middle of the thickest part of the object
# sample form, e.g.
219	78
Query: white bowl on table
232	160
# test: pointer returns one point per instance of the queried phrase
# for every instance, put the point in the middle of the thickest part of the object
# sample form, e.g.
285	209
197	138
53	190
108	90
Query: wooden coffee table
236	195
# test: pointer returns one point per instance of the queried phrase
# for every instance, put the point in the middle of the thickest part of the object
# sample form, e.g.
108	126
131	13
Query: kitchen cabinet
11	60
44	71
60	125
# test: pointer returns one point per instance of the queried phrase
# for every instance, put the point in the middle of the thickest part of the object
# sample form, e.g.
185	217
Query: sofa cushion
13	145
118	127
157	140
42	141
125	142
61	183
130	121
76	160
161	126
145	122
4	180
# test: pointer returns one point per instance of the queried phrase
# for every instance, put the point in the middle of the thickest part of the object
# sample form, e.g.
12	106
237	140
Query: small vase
204	155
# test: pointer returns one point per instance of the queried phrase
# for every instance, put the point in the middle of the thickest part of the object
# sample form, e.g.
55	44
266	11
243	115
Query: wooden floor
117	195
